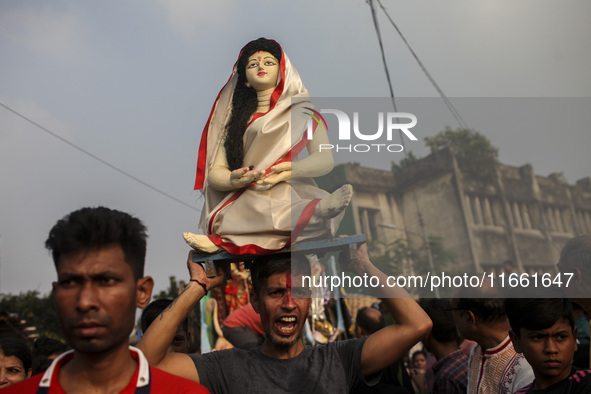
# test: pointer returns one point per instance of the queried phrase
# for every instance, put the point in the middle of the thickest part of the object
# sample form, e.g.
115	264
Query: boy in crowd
494	365
544	331
182	339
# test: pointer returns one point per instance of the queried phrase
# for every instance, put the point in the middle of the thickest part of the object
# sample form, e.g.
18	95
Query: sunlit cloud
192	20
44	30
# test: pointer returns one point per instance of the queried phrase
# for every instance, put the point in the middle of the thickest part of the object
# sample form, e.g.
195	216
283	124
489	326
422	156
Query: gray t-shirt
330	368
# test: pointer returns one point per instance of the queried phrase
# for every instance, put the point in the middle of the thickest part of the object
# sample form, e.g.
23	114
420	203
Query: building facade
513	214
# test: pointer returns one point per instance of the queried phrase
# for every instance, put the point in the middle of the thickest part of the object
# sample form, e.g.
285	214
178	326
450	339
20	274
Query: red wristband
200	284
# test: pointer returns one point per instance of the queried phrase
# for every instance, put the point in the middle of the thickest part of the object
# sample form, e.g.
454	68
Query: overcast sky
133	81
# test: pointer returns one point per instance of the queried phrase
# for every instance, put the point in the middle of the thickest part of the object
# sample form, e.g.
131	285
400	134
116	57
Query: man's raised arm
157	338
386	346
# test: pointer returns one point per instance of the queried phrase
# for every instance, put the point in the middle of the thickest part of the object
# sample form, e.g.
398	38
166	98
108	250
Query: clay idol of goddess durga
259	198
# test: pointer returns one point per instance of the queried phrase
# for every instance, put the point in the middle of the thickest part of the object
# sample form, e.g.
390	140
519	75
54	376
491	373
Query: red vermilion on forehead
259	58
288	283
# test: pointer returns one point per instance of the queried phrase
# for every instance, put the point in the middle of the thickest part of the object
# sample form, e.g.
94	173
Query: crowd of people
477	342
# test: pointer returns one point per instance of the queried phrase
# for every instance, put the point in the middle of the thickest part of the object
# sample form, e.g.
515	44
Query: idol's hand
279	173
243	177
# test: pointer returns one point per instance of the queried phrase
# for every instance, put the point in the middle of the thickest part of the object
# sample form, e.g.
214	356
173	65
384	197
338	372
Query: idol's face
262	70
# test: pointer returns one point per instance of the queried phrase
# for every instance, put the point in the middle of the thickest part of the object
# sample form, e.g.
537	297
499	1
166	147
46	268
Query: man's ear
516	342
358	333
578	275
254	300
576	333
470	317
144	288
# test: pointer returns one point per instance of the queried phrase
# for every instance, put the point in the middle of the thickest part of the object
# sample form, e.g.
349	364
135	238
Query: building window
583	217
497	212
516	215
484	210
520	215
559	219
525	217
550	220
369	219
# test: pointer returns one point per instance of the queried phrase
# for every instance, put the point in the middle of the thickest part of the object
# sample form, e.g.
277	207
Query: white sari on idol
261	218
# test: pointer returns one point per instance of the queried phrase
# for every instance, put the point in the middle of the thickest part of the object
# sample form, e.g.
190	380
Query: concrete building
514	215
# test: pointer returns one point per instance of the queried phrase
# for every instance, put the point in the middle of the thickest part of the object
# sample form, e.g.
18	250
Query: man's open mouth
286	324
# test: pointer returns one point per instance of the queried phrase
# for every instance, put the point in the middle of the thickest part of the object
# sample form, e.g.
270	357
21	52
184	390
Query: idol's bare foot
201	243
334	204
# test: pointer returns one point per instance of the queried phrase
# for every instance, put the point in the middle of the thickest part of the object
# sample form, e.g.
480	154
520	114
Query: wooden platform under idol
319	247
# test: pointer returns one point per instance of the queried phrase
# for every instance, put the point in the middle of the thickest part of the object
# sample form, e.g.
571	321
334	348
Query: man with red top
243	328
99	256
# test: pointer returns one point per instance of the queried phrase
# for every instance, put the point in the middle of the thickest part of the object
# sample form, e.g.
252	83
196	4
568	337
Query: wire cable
104	162
379	34
446	100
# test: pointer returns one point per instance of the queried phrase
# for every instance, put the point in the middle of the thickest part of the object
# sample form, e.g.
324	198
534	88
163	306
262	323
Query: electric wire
445	99
104	162
381	44
454	113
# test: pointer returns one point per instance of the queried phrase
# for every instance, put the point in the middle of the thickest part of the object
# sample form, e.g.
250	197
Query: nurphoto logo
392	121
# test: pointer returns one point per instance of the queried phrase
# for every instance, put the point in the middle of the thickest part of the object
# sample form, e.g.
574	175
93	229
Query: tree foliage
390	257
172	291
404	163
476	155
37	310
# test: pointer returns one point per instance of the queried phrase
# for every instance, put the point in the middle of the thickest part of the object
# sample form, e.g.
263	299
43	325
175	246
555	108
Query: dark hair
270	264
154	309
369	321
18	348
96	228
244	102
486	302
444	329
487	309
576	253
40	364
45	346
538	313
